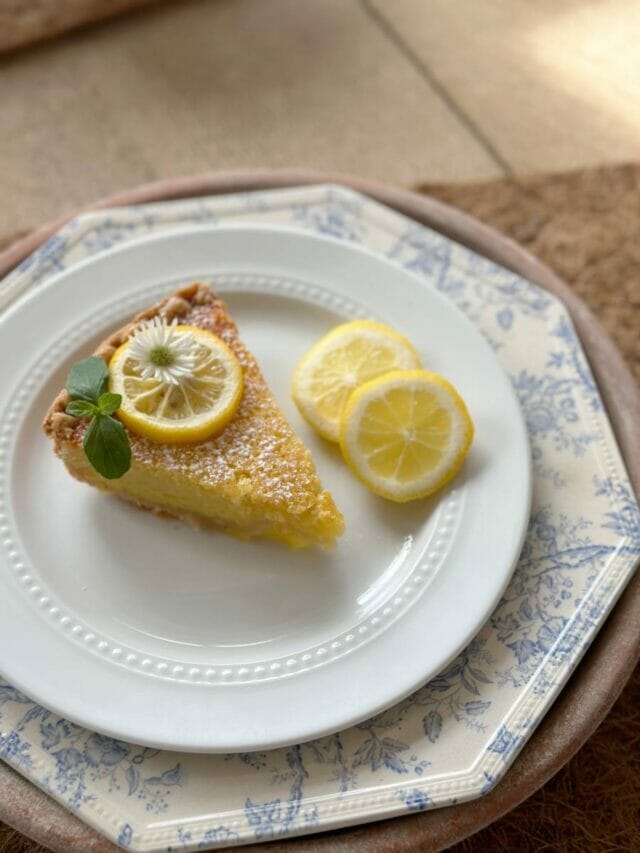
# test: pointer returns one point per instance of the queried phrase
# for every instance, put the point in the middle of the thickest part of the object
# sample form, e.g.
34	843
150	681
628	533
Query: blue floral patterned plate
455	737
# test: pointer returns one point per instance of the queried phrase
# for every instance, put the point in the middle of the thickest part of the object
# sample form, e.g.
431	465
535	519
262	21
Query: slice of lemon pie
183	423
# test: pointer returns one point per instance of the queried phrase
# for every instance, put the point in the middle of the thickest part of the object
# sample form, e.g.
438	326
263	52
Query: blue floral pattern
416	800
582	544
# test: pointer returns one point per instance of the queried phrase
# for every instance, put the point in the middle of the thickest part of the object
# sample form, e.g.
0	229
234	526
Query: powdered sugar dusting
257	452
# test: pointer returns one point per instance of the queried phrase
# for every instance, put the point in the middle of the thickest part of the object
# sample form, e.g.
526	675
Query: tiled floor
405	91
547	84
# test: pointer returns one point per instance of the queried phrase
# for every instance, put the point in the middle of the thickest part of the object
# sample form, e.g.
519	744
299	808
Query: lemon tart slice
252	478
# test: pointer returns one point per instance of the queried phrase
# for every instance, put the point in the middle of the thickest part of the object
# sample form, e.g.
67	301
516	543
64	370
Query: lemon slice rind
372	426
325	377
197	408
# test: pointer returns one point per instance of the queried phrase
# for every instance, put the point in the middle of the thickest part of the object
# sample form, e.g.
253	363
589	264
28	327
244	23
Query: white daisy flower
158	353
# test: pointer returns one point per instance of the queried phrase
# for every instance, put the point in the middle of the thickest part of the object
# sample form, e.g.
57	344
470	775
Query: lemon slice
405	434
348	356
198	403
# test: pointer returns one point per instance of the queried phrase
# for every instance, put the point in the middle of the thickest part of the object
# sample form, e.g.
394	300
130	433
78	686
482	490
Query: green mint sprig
105	443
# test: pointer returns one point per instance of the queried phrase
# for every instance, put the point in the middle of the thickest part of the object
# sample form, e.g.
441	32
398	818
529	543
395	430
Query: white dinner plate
151	631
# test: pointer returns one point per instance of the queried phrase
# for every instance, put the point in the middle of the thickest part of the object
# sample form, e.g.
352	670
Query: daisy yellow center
161	356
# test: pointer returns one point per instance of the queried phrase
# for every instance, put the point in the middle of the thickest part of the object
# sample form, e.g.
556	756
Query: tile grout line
425	72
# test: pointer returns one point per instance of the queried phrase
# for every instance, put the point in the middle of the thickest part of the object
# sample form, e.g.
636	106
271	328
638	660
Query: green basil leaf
88	379
109	403
107	447
81	409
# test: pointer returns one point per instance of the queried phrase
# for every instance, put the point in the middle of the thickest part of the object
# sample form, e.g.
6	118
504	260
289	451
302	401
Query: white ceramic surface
456	736
130	609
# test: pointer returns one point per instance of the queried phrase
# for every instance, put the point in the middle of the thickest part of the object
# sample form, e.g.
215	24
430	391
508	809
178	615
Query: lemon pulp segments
348	356
405	434
192	410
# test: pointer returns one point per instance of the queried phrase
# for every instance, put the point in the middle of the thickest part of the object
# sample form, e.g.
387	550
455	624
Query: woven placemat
585	226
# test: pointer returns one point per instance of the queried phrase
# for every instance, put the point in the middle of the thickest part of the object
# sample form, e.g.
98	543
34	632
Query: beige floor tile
193	86
552	84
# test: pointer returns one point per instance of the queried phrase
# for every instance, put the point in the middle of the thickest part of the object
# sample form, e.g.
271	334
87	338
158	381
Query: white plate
149	631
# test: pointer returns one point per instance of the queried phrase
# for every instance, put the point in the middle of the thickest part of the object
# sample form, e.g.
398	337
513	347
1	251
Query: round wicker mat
585	226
